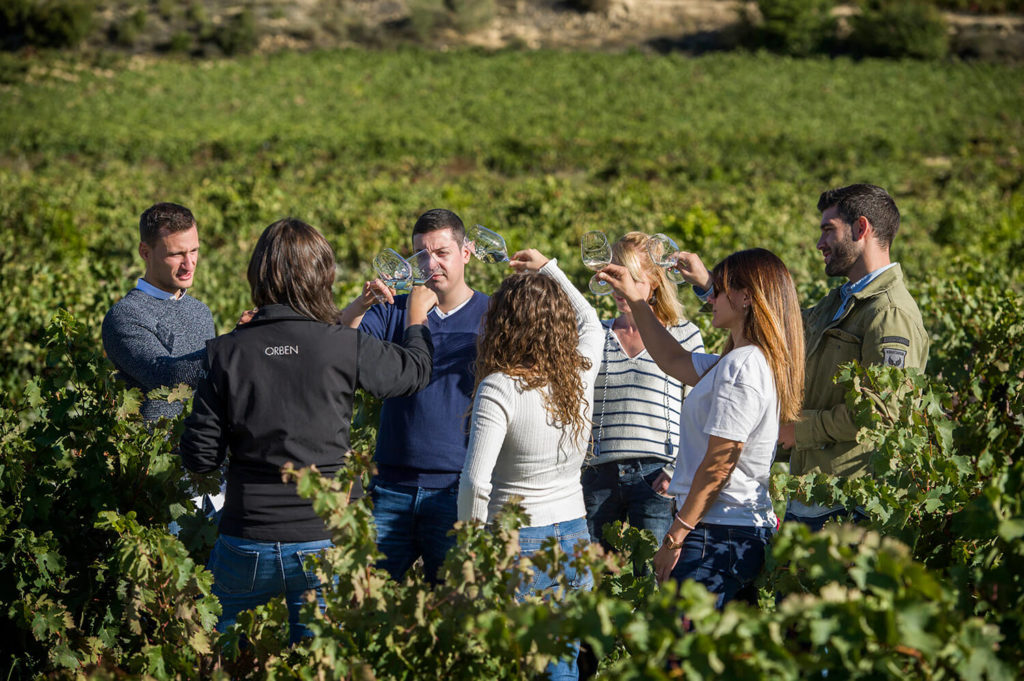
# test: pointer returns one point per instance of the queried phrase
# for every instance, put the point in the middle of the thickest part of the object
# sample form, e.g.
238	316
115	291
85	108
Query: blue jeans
413	522
621	490
724	558
818	522
569	534
248	573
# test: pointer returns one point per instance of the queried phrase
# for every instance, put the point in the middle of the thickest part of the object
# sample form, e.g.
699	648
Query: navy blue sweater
422	438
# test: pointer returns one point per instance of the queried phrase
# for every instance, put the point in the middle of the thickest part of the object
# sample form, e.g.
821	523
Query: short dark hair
161	219
439	218
293	265
872	202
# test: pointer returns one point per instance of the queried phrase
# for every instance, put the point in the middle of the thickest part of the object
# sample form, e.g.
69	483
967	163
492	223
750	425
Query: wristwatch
671	545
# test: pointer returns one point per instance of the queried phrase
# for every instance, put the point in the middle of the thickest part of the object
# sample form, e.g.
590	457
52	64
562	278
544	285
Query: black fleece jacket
280	389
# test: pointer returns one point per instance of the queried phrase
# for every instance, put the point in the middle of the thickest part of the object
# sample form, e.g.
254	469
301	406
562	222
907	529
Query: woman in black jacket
279	389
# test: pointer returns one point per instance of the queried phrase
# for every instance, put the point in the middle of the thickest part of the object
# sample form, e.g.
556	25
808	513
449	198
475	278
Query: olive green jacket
881	325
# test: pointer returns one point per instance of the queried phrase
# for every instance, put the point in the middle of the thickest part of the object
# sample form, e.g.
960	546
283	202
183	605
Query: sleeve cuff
703	294
803	430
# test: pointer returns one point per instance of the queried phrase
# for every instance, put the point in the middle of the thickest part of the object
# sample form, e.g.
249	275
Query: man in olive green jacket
872	319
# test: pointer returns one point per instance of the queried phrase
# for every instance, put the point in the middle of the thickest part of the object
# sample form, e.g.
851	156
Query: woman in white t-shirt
730	420
537	358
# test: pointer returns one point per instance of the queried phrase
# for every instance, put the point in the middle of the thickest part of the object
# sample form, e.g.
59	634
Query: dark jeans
569	534
818	522
621	490
248	573
413	522
726	559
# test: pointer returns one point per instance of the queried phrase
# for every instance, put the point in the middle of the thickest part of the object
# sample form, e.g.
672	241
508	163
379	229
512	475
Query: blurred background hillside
986	29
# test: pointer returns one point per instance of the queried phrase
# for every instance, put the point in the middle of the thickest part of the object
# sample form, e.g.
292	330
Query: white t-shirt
735	399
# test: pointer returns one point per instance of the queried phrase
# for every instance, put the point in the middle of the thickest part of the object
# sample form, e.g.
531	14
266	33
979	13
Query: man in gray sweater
156	335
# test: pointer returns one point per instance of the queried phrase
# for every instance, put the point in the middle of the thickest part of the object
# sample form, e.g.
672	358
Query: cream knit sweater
515	450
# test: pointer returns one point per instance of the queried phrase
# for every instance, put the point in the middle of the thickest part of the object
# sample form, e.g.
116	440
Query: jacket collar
882	283
278	312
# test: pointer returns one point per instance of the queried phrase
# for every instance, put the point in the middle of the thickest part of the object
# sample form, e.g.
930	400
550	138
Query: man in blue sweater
421	442
156	335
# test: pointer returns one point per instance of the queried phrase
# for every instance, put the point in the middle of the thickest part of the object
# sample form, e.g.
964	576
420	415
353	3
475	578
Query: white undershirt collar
449	313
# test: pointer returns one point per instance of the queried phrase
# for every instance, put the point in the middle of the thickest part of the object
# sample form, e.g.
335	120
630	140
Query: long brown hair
293	265
631	252
773	321
530	334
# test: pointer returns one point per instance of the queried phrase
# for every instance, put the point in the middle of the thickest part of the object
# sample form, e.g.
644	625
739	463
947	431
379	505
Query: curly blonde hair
631	252
530	334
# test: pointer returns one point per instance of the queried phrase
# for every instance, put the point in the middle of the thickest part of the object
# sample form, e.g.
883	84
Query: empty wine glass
423	265
662	248
393	270
488	246
597	254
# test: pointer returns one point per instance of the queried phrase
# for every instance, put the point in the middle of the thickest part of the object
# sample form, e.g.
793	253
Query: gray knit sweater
154	343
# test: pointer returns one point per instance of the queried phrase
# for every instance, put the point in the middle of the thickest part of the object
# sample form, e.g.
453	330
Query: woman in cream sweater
537	360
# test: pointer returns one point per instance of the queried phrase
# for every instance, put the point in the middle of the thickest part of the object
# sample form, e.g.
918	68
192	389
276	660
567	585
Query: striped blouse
636	405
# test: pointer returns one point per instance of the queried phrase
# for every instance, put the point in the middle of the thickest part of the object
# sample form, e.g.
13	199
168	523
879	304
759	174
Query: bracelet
671	545
685	524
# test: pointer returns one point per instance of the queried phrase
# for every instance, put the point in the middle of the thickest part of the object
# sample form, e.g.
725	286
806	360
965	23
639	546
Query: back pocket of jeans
312	581
234	570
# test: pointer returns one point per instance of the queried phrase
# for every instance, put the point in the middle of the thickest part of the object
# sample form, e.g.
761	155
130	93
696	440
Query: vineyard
721	152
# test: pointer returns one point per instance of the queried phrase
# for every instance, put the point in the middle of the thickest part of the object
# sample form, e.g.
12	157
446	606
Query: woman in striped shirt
636	407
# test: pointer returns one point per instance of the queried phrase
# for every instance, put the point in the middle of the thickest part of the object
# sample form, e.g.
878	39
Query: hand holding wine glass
617	278
663	250
487	246
528	260
393	271
421	301
693	269
596	253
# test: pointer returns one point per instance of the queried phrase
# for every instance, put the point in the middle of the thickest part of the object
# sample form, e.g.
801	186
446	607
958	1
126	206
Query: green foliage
982	6
238	33
471	15
180	42
795	27
899	28
429	16
45	23
126	32
89	573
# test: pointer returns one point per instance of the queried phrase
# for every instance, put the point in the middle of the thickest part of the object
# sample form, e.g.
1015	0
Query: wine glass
393	270
662	248
488	246
597	254
423	265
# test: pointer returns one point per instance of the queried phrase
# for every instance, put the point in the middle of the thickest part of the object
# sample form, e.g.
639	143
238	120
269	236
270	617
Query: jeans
248	573
621	490
414	522
724	558
569	534
818	522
